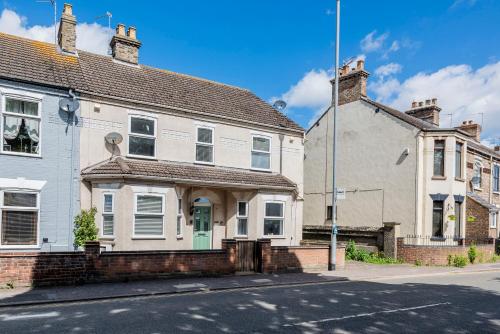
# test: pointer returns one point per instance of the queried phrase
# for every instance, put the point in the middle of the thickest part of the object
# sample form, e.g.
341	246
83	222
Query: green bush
472	253
85	228
459	261
418	262
361	255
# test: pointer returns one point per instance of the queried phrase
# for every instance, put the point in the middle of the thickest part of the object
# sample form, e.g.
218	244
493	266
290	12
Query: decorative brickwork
437	255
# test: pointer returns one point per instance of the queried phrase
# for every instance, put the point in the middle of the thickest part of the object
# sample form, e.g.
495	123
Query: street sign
340	193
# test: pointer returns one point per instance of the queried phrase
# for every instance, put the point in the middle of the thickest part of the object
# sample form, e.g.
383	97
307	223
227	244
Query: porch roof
184	173
478	199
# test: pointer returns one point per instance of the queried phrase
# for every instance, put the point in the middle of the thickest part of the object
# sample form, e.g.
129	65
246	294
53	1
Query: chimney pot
421	104
434	101
427	102
414	104
352	87
120	29
360	65
68	9
132	32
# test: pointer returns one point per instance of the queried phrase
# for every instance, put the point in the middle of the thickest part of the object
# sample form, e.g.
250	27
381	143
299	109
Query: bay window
274	218
148	215
108	217
458	160
142	136
19	218
21	126
204	145
261	153
242	219
439	149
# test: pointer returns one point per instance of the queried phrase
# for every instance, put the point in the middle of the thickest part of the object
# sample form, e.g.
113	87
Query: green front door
202	238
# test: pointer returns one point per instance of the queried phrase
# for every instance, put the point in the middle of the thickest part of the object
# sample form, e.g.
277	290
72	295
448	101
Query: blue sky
447	49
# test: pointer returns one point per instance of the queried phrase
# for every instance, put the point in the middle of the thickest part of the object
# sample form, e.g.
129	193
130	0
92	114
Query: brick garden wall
437	255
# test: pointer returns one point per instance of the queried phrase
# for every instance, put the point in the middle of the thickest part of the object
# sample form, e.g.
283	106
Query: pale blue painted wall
54	167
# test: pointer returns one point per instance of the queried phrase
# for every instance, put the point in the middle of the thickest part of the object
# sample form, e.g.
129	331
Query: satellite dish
279	105
69	105
113	138
475	180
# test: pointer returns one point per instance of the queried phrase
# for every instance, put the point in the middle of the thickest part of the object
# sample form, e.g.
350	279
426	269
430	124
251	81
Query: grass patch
361	255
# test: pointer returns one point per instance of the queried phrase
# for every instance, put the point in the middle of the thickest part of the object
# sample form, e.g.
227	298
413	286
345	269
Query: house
39	159
397	167
170	161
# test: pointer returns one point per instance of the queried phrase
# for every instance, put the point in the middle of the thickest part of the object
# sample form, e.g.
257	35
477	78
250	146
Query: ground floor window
493	221
273	219
179	218
148	215
458	218
108	217
242	217
19	218
437	218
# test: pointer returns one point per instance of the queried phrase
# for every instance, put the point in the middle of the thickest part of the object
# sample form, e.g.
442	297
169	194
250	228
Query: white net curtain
21	126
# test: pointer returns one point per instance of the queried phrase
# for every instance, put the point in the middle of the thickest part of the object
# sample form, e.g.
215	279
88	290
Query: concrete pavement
462	303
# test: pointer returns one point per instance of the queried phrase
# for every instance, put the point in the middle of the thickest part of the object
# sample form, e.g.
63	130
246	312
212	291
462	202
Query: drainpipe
71	184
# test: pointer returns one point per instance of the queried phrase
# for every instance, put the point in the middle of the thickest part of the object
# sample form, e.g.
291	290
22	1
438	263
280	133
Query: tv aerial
113	138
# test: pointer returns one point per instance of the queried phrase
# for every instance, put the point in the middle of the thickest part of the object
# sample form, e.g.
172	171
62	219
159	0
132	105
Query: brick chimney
352	82
472	129
125	47
66	37
497	148
427	111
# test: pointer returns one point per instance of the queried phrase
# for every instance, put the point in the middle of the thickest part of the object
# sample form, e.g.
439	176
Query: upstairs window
142	137
242	217
19	218
205	145
458	160
273	219
496	178
477	175
439	149
21	126
261	153
149	212
108	217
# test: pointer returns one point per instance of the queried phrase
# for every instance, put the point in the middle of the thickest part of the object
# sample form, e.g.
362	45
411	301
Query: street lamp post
333	240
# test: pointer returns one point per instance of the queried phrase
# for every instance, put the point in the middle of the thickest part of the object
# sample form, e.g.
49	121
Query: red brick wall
480	228
437	255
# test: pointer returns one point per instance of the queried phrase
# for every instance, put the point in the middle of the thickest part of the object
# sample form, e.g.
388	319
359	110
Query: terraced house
440	184
170	161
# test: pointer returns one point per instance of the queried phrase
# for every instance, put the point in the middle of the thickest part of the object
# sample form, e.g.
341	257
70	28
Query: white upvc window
149	212
19	219
261	152
496	178
204	145
179	218
20	125
242	219
108	215
274	217
142	136
494	220
477	175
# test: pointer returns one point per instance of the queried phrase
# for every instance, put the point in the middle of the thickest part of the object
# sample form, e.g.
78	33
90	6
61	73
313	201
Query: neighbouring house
39	156
399	167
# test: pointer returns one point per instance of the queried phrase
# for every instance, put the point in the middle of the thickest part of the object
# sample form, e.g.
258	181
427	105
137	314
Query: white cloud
460	90
371	43
458	3
90	37
388	69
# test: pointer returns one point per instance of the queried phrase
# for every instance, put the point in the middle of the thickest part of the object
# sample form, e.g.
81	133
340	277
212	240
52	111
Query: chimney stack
428	111
472	129
125	47
497	148
352	82
66	37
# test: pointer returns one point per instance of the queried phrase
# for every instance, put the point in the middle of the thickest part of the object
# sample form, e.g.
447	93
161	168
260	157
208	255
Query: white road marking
360	315
9	317
190	286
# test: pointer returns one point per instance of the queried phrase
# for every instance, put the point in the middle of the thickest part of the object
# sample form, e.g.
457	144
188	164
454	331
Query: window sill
261	170
144	157
241	236
18	247
204	163
459	179
180	237
438	178
273	237
149	238
26	155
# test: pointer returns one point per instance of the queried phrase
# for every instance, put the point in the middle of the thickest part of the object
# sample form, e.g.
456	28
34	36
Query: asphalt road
460	303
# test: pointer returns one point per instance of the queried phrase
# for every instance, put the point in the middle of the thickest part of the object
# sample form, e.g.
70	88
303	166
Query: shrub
418	262
472	253
459	261
85	228
350	249
355	254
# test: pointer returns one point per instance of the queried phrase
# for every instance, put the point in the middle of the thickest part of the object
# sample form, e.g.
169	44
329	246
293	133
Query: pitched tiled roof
186	174
38	62
478	199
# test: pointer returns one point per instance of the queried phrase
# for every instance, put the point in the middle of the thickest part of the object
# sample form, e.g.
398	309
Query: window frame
443	159
458	218
252	150
3	112
461	174
179	221
112	213
442	219
496	167
494	220
480	165
162	214
238	217
140	135
212	144
282	218
26	209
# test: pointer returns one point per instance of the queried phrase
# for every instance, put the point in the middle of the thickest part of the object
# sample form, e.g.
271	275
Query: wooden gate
247	256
